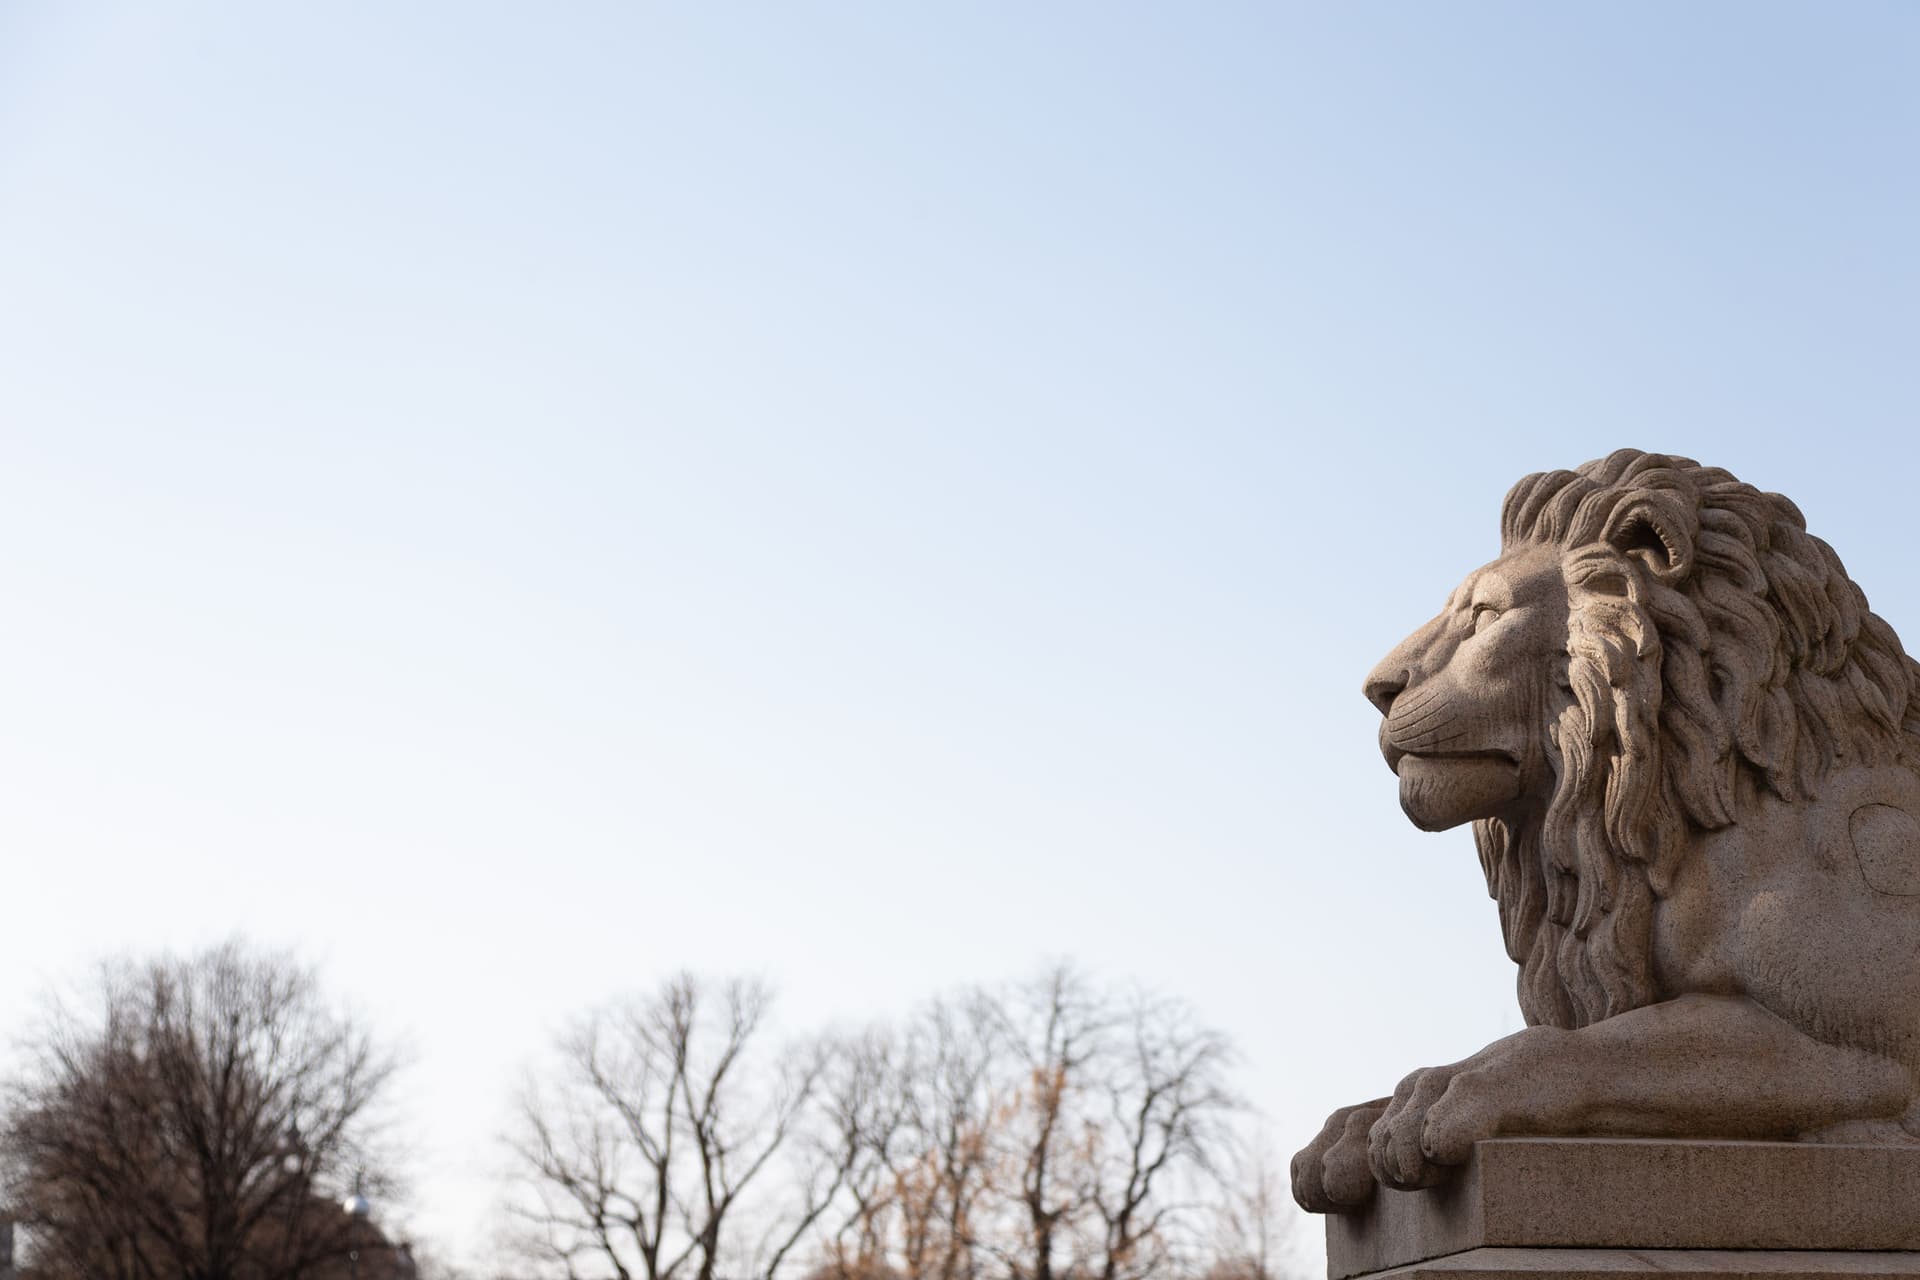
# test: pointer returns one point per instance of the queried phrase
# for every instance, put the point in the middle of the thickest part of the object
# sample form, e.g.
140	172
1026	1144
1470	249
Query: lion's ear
1658	539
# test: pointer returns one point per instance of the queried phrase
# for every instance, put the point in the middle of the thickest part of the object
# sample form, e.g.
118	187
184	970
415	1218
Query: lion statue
1691	758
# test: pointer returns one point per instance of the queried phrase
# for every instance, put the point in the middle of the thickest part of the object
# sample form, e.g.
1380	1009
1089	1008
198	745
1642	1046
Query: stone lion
1691	758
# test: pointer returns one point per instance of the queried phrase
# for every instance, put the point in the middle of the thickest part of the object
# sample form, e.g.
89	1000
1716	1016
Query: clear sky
513	500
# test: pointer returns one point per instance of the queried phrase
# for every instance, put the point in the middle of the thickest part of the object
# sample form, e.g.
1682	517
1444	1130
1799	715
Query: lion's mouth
1395	755
1439	791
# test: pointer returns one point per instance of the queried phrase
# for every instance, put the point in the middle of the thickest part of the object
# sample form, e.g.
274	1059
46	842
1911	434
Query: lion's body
1688	751
1725	688
1780	908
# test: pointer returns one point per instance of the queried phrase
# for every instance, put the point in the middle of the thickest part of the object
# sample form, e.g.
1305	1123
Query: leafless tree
1050	1130
1166	1105
863	1112
201	1123
956	1104
918	1113
1254	1217
1046	1131
1059	1029
665	1144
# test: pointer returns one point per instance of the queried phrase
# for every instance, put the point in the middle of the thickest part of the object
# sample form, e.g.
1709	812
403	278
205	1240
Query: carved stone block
1612	1206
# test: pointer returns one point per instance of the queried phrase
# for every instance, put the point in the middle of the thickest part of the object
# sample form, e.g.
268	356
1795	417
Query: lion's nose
1383	686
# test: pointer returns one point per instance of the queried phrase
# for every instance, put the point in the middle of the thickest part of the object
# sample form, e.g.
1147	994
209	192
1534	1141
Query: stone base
1634	1264
1604	1206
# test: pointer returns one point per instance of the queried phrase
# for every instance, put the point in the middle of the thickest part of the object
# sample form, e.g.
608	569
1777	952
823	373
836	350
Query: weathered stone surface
1691	758
1628	1194
1645	1264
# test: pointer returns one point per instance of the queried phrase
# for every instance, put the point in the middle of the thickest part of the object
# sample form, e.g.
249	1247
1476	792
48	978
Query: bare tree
1058	1027
664	1145
1255	1218
863	1113
1167	1103
956	1104
201	1123
1049	1130
918	1113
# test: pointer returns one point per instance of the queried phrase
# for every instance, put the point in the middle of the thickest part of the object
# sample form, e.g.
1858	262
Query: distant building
379	1258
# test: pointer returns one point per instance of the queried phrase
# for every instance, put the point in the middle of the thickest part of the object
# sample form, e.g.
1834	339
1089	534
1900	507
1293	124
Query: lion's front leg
1694	1067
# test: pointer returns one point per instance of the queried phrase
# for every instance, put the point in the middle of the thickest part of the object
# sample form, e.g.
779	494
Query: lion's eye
1484	616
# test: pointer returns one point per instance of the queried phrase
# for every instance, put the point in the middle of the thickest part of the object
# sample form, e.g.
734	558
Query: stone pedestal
1616	1208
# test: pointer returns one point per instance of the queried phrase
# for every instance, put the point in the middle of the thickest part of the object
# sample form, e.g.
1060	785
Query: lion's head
1657	647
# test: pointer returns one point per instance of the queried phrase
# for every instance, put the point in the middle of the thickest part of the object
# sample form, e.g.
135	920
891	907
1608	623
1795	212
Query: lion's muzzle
1446	778
1422	722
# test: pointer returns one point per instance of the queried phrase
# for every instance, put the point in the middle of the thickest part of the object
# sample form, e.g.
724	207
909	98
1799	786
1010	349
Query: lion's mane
1716	651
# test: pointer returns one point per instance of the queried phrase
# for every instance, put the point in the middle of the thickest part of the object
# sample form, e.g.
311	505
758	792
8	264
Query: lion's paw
1469	1110
1396	1149
1331	1175
1435	1117
1437	1114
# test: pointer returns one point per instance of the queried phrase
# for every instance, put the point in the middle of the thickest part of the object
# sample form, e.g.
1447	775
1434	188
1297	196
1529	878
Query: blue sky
515	503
